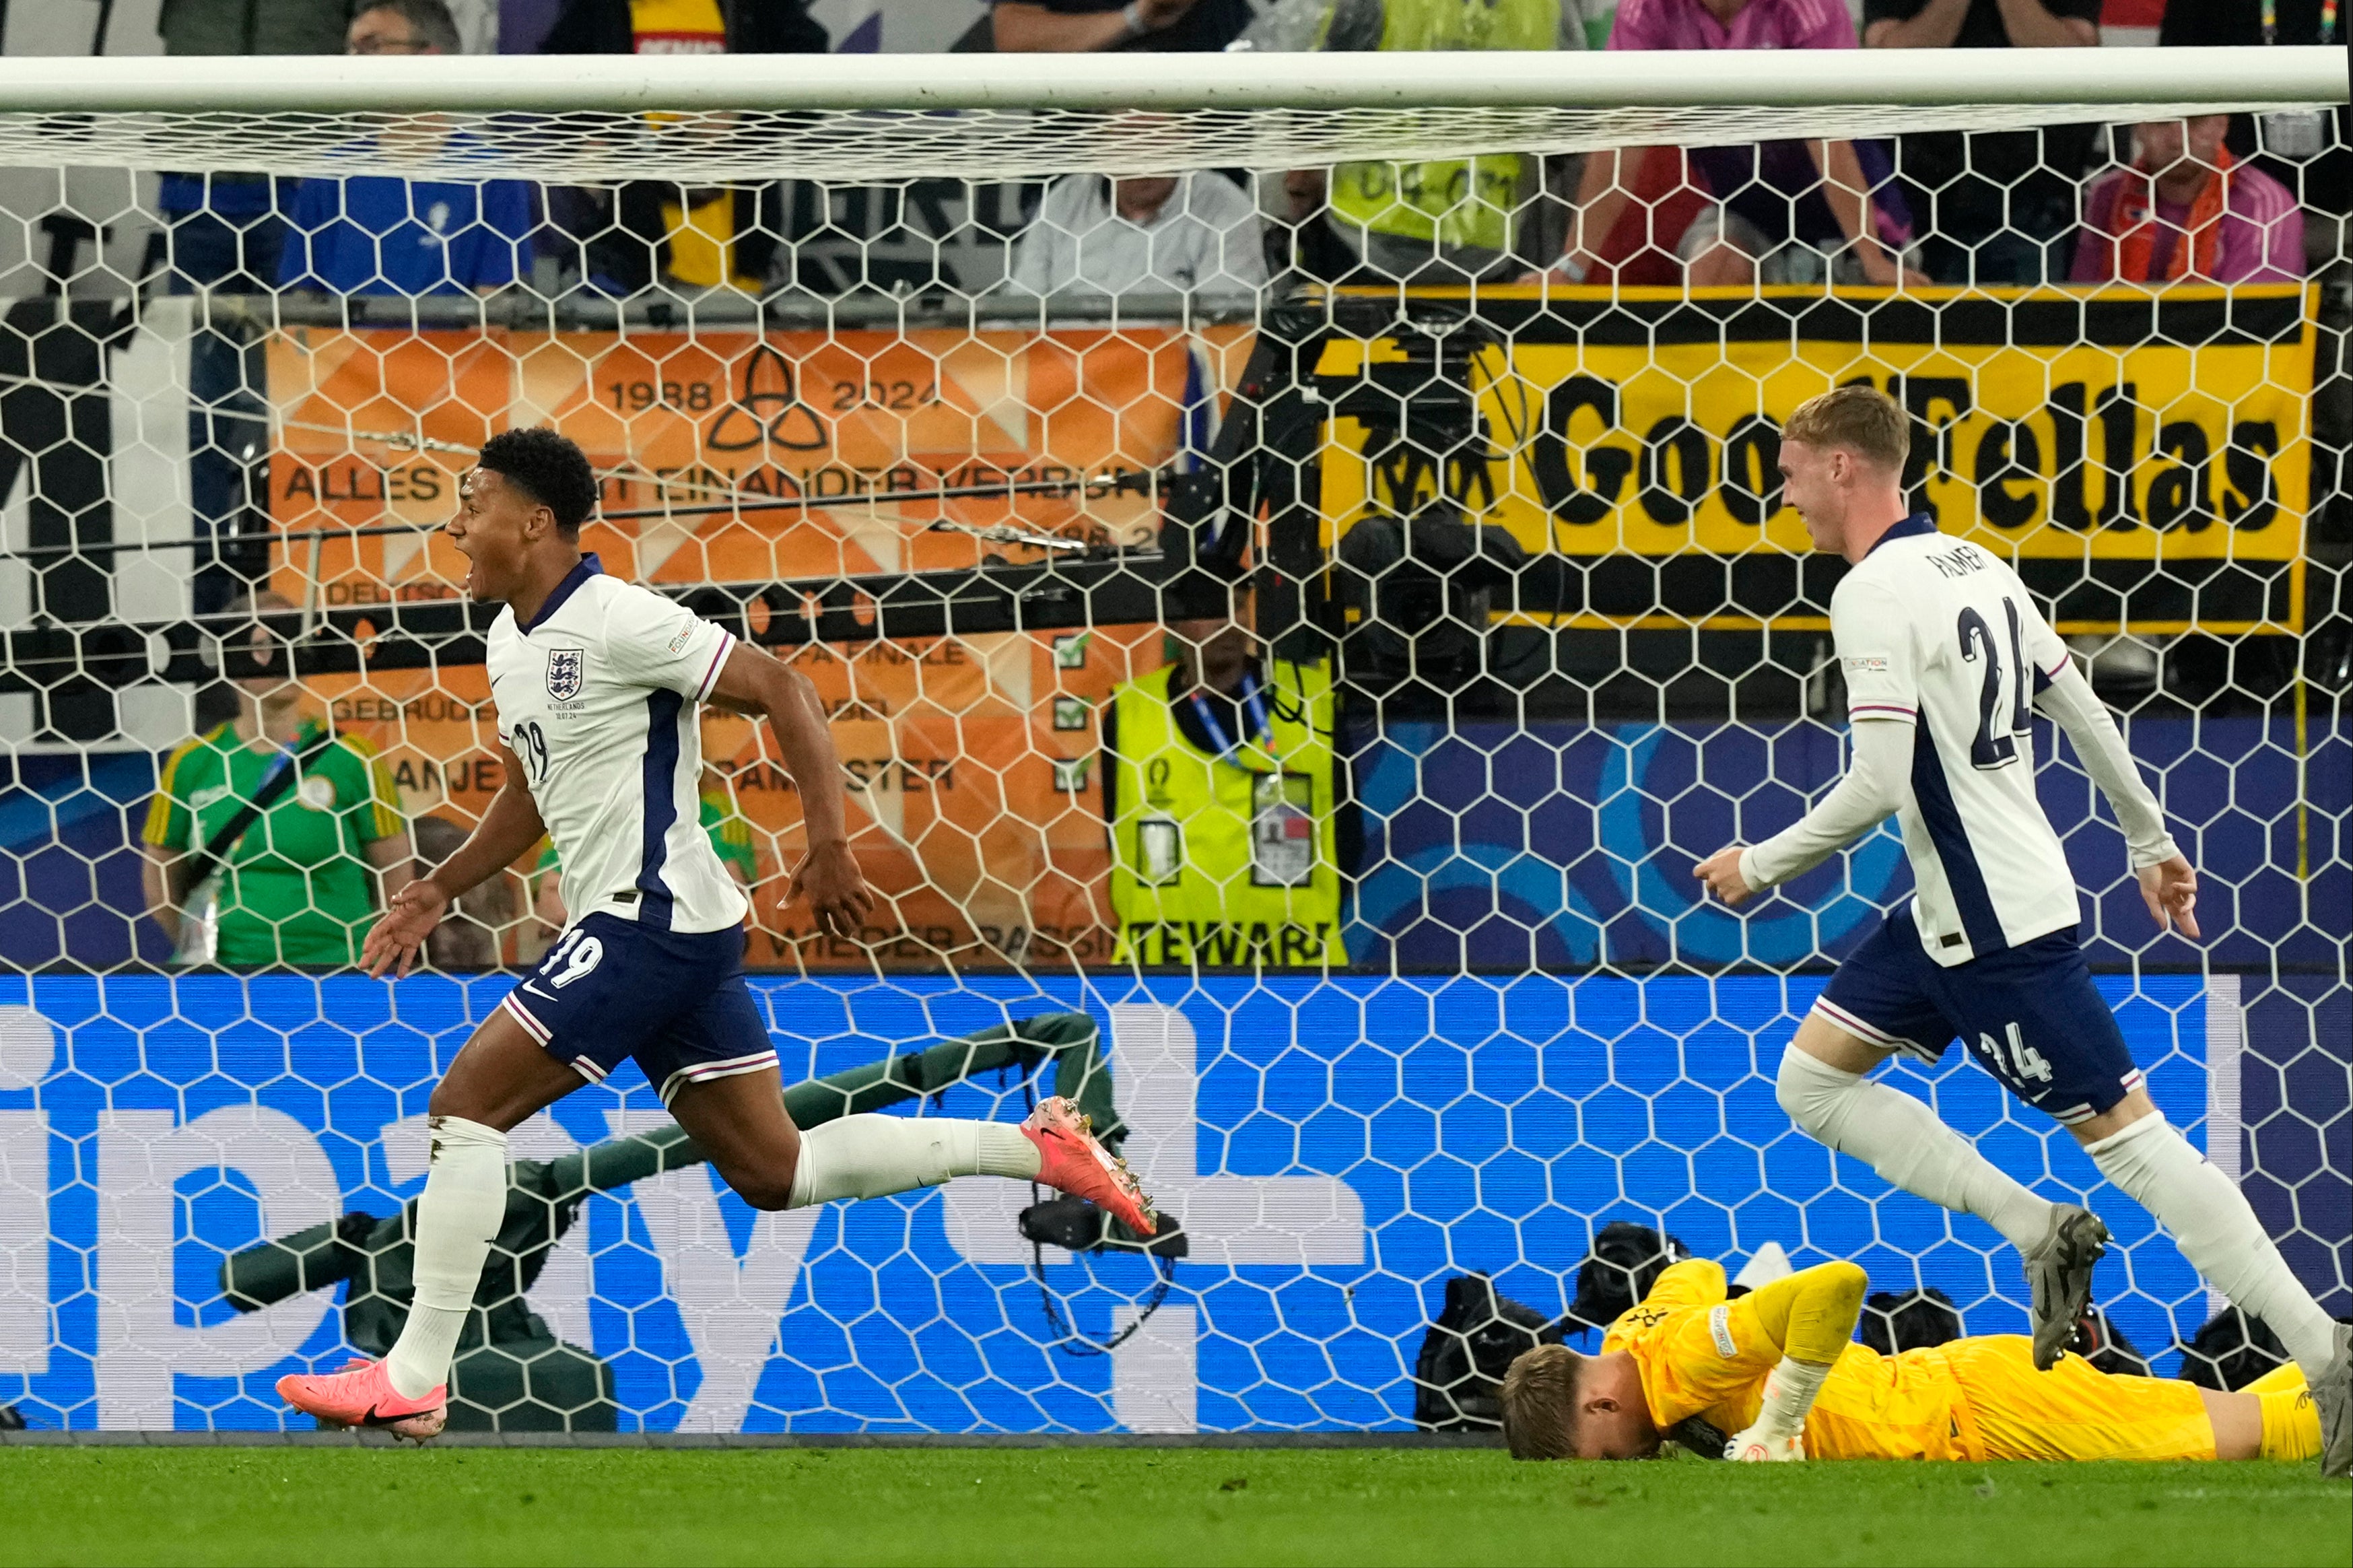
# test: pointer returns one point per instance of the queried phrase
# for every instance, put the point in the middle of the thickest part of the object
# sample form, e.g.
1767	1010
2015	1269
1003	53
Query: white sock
2218	1232
465	1203
1902	1139
871	1156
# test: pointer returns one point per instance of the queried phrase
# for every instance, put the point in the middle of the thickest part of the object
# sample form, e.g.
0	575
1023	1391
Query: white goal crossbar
862	117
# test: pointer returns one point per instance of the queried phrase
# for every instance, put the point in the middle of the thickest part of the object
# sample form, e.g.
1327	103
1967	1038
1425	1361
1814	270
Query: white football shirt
598	698
1938	633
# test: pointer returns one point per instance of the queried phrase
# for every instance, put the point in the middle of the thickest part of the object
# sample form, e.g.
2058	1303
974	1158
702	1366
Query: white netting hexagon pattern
982	455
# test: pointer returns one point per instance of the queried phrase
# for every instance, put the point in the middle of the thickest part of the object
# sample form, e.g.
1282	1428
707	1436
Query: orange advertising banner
974	805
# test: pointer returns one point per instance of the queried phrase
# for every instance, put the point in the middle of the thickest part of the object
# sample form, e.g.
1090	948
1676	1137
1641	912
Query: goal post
999	116
1428	992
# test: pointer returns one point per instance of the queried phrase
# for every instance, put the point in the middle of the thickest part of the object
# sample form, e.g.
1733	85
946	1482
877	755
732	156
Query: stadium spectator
469	938
296	830
1994	206
2185	209
1449	220
1146	234
1087	26
1781	212
624	239
2308	151
374	233
1223	798
224	232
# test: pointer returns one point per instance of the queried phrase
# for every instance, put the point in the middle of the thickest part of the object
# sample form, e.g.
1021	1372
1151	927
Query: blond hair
1861	418
1540	1402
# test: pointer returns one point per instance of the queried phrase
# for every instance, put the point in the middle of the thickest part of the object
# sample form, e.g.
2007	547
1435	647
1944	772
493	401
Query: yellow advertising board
2153	451
971	760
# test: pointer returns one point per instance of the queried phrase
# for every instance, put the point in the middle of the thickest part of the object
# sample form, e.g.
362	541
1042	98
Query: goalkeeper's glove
1758	1446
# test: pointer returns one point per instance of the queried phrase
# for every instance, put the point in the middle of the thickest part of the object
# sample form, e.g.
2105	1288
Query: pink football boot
1072	1161
362	1395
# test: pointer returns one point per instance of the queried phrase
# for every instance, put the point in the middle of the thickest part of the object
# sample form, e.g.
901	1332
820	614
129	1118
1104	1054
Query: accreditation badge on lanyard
1282	815
1282	830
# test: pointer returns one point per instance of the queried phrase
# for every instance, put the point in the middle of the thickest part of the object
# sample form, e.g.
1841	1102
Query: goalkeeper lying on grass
1779	1369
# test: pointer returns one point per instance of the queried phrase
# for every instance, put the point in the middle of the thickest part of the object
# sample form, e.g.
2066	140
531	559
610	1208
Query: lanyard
1254	706
286	755
2327	21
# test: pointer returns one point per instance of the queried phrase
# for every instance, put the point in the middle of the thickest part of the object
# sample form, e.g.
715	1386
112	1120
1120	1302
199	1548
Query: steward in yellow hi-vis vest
1464	206
1227	855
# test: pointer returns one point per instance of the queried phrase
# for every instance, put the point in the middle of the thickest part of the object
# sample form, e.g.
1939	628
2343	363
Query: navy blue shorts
611	988
2030	1013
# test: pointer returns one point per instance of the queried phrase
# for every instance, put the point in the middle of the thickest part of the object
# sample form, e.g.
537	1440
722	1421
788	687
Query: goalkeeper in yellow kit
1779	1369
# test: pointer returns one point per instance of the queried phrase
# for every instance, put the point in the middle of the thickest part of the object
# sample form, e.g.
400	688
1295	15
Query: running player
597	683
1946	657
1778	1367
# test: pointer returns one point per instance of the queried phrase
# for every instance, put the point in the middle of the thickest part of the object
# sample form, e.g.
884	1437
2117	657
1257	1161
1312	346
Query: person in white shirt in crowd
1149	234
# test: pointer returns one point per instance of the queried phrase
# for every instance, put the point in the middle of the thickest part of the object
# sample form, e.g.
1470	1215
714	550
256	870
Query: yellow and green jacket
296	887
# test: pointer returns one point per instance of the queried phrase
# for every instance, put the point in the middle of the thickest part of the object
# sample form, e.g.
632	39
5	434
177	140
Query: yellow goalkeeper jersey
1702	1355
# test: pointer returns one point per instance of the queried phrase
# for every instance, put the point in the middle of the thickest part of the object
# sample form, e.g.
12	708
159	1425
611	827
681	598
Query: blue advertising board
1555	846
1337	1148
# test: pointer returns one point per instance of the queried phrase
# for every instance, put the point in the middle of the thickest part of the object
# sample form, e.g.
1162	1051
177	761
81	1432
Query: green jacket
296	888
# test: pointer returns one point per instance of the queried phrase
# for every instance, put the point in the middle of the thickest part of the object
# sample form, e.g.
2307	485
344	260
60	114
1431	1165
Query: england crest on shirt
568	669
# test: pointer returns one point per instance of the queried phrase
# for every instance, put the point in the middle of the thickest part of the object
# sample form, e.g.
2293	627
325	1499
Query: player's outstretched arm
1872	787
755	684
2168	885
509	828
1812	1315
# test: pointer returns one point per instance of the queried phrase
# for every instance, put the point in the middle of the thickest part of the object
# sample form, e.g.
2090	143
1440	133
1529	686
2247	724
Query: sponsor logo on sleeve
677	644
1719	1328
1865	663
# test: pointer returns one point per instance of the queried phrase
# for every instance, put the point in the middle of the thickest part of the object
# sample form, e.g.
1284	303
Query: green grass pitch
1134	1506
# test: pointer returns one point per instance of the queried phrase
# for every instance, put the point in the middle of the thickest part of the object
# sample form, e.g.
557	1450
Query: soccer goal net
1286	664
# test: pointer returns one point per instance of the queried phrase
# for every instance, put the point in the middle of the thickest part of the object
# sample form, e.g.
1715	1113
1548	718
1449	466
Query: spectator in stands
224	232
1446	221
1993	206
2308	151
2185	209
373	234
288	834
1146	234
1085	27
1782	212
468	938
650	230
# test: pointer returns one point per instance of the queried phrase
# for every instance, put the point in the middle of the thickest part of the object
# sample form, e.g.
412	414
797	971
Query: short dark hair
550	467
428	20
